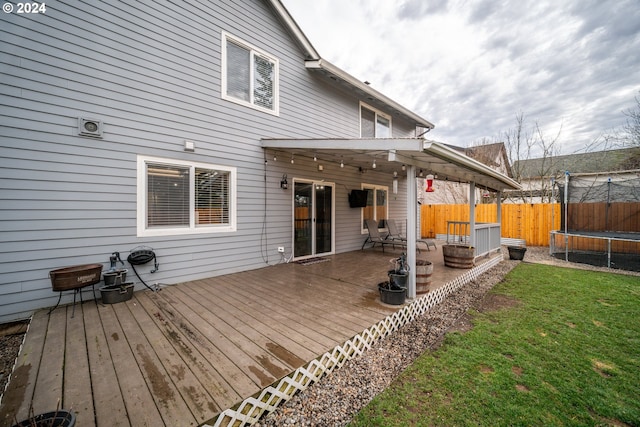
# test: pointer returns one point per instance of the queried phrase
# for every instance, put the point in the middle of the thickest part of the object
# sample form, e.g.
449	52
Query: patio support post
412	210
499	214
472	213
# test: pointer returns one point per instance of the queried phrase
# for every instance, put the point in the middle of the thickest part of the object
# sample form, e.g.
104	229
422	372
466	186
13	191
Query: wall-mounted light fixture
395	182
189	146
374	164
283	182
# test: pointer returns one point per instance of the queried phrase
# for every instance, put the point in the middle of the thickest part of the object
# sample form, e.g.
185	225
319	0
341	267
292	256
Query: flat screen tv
358	198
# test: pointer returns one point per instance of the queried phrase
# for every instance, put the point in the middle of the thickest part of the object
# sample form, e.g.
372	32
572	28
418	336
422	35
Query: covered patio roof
391	153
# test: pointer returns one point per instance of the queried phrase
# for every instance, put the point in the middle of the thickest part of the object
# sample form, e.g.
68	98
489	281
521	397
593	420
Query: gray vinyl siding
151	72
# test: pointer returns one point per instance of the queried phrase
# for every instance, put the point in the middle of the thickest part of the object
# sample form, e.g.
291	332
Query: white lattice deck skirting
251	409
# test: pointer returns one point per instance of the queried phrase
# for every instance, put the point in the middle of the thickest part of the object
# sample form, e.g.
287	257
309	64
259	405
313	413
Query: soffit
390	154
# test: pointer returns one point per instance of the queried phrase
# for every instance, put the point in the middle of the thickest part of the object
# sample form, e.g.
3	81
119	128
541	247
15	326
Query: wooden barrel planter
458	256
424	270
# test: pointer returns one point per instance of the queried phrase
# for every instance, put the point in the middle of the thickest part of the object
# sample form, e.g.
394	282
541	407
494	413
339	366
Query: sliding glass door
313	218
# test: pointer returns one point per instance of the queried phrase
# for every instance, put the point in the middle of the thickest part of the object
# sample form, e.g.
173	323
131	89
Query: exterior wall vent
90	127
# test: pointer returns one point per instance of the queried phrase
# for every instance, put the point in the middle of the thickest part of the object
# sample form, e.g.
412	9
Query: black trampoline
593	207
599	248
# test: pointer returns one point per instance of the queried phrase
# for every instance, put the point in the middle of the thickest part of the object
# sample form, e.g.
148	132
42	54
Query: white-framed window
177	197
377	205
249	75
374	123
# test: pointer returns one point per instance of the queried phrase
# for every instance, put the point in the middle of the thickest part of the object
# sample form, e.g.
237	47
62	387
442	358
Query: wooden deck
181	356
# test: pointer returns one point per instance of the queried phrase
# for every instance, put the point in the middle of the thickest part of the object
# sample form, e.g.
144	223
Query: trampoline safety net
600	221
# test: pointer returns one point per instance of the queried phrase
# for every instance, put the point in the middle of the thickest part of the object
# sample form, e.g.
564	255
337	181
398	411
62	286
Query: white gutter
323	64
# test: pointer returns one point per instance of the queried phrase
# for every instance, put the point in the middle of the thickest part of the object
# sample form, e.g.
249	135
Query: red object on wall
429	184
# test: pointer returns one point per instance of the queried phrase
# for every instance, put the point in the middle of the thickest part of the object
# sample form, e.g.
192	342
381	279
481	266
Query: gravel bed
9	347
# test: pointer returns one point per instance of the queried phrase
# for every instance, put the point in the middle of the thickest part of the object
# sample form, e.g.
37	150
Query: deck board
171	405
214	382
49	383
186	353
136	393
266	338
108	400
188	384
77	387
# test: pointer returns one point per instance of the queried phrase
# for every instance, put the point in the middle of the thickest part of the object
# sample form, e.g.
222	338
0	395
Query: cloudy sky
470	66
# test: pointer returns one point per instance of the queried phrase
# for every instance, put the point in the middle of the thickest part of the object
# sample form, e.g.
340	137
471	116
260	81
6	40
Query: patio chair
396	236
374	235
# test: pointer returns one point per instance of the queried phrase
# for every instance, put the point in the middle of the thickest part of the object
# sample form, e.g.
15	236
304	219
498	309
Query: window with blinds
178	197
250	77
167	196
373	123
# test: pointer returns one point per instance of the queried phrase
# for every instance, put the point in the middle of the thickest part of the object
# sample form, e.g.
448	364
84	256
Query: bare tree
522	143
546	167
518	142
631	128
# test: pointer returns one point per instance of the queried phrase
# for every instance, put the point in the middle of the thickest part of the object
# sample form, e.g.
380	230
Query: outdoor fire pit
74	278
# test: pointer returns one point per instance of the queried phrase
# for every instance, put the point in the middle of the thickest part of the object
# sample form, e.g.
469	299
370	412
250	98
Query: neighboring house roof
493	155
314	62
595	162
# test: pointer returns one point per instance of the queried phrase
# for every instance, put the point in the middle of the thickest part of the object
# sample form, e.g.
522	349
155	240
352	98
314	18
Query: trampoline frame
608	236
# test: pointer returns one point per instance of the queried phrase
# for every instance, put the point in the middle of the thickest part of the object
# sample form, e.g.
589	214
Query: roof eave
338	73
295	30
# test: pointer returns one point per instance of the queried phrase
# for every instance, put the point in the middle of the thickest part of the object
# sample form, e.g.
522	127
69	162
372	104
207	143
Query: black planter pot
398	280
516	252
50	419
392	296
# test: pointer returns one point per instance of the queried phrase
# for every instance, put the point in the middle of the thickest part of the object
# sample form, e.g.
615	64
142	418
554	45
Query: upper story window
249	76
374	123
177	197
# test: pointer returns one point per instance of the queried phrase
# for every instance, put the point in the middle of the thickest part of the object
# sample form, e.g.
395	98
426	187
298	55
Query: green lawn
566	353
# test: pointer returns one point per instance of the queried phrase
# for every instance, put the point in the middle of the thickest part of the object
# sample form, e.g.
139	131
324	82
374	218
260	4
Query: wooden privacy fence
531	222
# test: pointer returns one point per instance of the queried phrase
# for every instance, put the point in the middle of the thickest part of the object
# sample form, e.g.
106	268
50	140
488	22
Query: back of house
139	124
